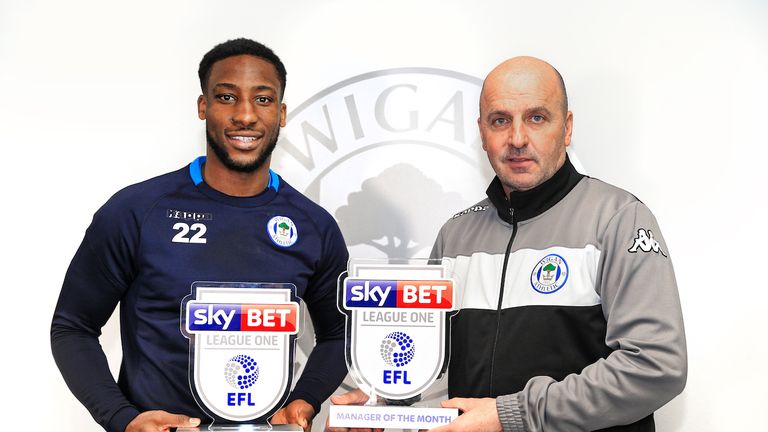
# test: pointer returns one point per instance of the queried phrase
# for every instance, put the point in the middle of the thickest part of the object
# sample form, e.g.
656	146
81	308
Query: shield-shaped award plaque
398	317
241	349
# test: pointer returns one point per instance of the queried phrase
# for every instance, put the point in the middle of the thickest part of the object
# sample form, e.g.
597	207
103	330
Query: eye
226	98
537	118
499	121
263	100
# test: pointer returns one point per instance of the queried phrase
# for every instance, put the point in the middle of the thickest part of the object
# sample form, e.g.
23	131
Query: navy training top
129	256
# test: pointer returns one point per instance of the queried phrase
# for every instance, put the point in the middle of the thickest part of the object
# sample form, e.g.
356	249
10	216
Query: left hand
297	412
479	415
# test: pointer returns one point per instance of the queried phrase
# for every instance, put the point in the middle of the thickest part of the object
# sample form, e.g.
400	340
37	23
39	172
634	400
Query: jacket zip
501	297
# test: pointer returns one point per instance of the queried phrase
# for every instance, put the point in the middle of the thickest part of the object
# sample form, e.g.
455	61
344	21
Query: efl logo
241	372
397	349
420	294
227	317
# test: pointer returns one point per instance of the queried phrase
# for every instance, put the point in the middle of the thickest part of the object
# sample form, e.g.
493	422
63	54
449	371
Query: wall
668	102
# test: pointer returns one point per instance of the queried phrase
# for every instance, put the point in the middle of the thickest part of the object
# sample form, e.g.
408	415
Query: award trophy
398	317
241	348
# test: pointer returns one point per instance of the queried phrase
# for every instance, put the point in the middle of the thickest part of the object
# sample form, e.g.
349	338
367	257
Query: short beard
233	165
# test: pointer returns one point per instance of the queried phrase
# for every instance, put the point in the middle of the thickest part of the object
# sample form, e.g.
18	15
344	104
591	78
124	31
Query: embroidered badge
282	231
645	242
550	274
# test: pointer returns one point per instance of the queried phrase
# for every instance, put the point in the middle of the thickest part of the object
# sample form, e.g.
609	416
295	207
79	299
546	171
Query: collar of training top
533	202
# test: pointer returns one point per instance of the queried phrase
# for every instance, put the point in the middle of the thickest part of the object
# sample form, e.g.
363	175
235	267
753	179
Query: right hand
160	421
352	397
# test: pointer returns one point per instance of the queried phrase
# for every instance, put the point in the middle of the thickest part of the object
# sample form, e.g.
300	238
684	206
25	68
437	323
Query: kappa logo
550	274
474	209
645	242
188	215
282	231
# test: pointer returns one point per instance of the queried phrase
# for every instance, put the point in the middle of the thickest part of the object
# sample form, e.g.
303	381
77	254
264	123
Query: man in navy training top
205	222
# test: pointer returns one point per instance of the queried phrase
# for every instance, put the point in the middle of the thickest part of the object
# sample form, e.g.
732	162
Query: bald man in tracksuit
570	315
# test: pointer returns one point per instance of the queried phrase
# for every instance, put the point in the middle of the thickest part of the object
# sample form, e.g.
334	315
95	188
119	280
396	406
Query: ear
282	114
201	106
568	128
482	140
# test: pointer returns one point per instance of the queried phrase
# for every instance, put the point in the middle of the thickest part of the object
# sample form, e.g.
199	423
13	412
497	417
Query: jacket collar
523	205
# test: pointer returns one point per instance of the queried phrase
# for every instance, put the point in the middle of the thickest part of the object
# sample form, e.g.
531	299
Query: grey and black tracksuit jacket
570	314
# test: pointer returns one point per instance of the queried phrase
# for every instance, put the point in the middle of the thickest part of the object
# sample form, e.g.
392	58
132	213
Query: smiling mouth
244	143
243	139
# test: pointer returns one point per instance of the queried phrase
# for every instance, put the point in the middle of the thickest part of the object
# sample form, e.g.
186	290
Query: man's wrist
510	413
121	418
306	398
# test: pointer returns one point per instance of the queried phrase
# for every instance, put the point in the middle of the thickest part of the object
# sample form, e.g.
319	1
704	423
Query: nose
518	135
244	115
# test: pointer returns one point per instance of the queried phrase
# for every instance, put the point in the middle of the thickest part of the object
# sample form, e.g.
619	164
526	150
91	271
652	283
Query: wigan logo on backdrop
391	154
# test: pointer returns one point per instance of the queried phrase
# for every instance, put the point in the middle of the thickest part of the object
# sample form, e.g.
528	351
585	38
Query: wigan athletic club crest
241	347
550	274
282	231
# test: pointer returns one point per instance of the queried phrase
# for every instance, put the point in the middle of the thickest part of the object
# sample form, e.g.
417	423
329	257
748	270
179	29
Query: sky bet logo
419	294
233	317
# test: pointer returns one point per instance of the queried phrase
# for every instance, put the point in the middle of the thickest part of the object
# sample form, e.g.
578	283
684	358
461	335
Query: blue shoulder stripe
274	181
196	170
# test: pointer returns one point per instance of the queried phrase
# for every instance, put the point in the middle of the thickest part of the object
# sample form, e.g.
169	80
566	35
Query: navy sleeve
326	367
97	277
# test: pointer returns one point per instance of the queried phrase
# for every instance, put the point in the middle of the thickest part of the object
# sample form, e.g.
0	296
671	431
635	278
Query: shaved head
525	125
526	68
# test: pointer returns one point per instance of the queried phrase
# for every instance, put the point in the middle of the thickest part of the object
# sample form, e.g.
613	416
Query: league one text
397	302
397	348
242	338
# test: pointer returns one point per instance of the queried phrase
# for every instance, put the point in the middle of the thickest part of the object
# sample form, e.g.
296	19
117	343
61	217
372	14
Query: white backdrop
668	100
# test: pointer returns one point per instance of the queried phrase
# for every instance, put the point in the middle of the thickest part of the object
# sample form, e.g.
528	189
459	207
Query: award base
243	428
389	417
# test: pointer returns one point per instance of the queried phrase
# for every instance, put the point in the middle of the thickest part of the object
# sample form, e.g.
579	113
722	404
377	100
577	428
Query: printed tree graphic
398	212
283	228
548	269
